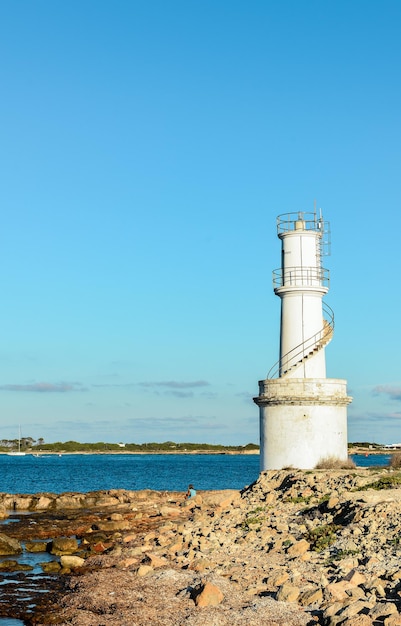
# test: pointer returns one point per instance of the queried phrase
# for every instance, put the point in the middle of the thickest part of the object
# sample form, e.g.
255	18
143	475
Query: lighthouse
303	414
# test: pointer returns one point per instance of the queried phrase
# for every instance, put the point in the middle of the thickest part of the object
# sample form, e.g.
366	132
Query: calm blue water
161	472
371	460
93	472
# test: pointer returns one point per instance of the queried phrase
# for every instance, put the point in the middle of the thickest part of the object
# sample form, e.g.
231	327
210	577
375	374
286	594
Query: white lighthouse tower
303	414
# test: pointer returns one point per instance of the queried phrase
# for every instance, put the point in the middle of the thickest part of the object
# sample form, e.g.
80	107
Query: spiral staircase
307	349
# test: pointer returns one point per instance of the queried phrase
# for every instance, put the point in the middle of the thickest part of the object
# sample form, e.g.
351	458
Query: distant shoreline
122	451
367	452
141	452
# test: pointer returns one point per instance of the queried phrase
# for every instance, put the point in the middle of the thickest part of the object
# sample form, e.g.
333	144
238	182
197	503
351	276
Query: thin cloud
44	387
197	422
392	392
174	384
169	384
114	385
373	417
246	396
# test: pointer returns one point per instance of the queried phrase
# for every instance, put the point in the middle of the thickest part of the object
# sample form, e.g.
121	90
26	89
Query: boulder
36	546
50	567
298	548
208	594
71	562
8	545
144	570
63	545
288	593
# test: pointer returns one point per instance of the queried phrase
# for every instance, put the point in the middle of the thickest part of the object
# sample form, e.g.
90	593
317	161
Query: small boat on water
18	452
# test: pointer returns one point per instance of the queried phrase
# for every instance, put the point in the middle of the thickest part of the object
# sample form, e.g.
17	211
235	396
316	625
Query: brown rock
277	578
358	620
50	567
8	545
170	511
36	546
383	609
64	545
208	595
353	609
8	565
155	561
393	620
311	596
144	570
298	548
288	593
355	577
338	591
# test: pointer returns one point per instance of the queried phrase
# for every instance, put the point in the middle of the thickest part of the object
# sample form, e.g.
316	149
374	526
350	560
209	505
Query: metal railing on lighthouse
297	355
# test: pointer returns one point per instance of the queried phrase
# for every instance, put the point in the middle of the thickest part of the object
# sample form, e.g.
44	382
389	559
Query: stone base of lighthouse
302	421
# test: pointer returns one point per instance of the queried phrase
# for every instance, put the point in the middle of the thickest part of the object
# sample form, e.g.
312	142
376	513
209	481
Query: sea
52	473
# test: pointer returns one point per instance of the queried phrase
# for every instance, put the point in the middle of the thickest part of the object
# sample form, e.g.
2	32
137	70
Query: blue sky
146	149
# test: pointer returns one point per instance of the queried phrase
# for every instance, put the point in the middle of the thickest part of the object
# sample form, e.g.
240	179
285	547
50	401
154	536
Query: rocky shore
295	548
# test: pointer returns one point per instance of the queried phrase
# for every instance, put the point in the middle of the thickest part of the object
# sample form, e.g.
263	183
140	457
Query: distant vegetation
31	445
365	444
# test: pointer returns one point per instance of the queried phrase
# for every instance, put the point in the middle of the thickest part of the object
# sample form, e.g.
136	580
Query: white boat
19	451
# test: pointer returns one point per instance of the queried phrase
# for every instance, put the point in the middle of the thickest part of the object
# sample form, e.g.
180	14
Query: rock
355	577
36	546
288	593
333	502
353	609
50	567
208	595
393	620
298	548
44	502
338	591
169	511
14	566
144	570
311	596
8	545
71	562
383	609
155	561
63	545
358	620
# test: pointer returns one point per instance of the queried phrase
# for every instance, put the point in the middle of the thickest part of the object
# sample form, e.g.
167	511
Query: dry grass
333	463
395	462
